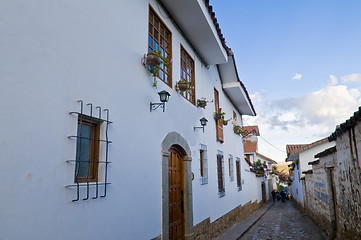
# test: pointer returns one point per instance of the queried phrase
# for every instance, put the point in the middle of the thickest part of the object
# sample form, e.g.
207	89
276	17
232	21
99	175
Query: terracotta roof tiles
294	149
216	24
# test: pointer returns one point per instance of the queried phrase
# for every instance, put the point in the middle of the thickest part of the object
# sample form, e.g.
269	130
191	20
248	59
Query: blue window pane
150	40
83	151
155	46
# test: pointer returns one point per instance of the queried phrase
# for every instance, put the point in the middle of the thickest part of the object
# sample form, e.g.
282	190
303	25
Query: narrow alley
284	221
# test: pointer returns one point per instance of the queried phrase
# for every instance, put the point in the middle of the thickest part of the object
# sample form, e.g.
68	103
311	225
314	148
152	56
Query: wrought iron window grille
103	179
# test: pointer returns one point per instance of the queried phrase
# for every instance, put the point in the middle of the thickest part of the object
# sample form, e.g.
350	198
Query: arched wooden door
176	195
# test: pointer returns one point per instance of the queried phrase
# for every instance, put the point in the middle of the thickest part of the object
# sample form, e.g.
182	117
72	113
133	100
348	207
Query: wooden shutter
219	123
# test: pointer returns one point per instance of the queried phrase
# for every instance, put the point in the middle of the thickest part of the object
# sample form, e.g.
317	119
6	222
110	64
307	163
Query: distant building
261	164
298	157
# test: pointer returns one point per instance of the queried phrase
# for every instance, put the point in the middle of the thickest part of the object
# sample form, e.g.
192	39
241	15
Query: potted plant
184	85
219	114
225	122
202	102
238	130
154	60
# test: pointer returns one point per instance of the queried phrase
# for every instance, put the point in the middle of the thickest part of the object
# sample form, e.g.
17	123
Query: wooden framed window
203	162
87	149
234	118
187	74
220	169
219	124
230	168
238	173
160	38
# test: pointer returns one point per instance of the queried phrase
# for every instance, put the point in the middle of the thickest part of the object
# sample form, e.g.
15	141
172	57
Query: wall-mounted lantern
164	97
203	121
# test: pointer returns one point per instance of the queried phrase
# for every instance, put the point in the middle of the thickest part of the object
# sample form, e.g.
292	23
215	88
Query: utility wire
266	140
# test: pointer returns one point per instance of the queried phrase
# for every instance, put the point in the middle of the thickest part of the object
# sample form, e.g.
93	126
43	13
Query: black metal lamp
203	121
164	97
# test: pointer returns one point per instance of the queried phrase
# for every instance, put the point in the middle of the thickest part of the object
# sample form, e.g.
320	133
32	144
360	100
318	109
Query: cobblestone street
284	221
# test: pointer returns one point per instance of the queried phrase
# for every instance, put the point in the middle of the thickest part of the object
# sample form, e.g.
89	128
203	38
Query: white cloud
305	119
297	76
355	77
332	80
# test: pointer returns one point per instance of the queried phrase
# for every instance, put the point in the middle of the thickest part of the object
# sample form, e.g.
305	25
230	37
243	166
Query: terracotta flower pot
183	87
152	60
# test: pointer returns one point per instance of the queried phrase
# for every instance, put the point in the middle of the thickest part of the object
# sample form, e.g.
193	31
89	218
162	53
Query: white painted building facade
55	53
301	159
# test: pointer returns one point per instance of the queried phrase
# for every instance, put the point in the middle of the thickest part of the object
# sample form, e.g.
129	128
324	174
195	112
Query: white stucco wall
305	157
54	53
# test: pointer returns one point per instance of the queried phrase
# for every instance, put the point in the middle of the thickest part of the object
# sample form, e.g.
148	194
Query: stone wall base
206	230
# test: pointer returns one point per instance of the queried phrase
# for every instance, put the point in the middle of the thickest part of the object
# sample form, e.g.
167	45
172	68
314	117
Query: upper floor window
159	39
187	74
219	123
234	118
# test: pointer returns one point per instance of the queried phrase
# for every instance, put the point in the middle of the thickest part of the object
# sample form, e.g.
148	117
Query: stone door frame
175	139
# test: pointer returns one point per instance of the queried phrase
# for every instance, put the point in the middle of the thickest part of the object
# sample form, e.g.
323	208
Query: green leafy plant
184	85
238	130
202	102
219	114
225	122
155	65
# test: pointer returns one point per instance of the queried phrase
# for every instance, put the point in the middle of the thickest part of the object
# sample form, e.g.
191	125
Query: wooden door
263	187
176	195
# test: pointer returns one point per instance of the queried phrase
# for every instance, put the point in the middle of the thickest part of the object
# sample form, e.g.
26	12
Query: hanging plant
202	103
238	130
219	114
225	122
154	60
184	85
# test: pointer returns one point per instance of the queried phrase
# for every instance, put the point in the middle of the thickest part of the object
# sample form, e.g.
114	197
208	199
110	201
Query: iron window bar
106	141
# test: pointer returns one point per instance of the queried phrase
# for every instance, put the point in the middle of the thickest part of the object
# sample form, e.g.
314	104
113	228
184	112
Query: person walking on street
283	196
273	195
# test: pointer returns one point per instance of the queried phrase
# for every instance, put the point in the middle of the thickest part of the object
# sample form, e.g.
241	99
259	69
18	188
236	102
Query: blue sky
300	61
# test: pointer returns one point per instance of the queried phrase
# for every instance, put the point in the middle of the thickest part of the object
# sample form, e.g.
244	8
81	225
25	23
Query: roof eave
199	28
234	88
